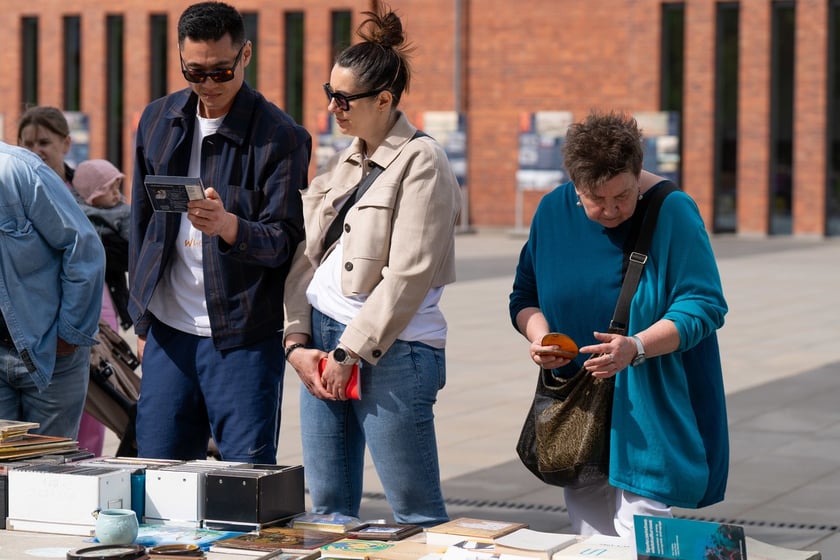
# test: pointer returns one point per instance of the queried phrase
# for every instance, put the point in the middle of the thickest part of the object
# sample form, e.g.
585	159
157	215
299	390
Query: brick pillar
809	109
753	197
698	106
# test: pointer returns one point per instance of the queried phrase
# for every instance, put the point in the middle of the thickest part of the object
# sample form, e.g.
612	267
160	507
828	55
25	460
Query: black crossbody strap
638	257
334	231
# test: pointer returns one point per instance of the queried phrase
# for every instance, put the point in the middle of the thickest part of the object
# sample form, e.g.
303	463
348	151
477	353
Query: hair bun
385	29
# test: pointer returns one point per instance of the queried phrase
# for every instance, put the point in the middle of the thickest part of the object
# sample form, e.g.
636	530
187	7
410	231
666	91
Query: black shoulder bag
565	440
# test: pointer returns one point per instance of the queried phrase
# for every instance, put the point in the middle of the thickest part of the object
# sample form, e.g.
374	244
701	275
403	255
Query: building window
341	32
672	48
115	30
293	70
833	121
251	21
158	55
72	63
781	116
29	61
726	119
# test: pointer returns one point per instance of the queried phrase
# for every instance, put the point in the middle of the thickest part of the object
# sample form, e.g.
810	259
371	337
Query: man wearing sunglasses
207	284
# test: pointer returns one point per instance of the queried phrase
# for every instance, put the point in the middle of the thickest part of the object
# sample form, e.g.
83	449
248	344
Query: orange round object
567	347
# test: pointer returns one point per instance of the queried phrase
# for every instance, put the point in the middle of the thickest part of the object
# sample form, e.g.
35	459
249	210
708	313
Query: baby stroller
114	387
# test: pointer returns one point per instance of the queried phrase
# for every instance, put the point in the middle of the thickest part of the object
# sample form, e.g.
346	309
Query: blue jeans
394	418
59	407
190	391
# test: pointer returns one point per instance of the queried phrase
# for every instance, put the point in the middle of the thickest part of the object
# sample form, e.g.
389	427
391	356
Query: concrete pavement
781	355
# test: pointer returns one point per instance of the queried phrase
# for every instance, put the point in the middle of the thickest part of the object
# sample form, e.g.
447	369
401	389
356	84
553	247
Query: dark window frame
72	66
158	55
29	68
293	63
114	87
725	172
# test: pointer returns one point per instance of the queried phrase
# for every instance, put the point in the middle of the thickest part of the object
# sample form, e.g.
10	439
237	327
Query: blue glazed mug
115	526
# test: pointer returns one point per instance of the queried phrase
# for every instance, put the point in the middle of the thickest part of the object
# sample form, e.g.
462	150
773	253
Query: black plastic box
248	497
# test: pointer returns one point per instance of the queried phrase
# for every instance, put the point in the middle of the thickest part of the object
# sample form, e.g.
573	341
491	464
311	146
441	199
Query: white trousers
601	509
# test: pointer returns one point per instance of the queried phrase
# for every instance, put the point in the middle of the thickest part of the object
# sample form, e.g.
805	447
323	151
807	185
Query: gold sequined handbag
565	438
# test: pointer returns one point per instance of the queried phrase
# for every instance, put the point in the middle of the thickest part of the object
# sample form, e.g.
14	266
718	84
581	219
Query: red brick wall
754	118
516	59
809	156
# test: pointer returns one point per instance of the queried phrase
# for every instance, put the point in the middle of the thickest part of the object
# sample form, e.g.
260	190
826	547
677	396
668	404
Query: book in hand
467	528
330	522
354	388
383	531
354	548
275	539
660	538
168	193
537	544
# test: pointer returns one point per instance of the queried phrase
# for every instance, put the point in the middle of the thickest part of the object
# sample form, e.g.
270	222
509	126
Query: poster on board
541	137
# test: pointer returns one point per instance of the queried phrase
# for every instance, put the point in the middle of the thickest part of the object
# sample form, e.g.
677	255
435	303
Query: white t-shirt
179	299
324	294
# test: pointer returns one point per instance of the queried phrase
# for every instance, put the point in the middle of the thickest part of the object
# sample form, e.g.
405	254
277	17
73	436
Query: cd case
172	194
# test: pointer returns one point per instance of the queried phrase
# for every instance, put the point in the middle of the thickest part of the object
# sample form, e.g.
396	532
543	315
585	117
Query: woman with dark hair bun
364	290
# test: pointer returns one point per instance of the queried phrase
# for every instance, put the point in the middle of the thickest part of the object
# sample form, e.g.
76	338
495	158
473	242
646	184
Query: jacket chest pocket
367	229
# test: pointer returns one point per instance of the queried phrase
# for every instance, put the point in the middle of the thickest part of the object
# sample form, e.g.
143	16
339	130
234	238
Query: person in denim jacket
52	268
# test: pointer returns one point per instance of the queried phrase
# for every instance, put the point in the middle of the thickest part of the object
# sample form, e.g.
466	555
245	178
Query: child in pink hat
98	186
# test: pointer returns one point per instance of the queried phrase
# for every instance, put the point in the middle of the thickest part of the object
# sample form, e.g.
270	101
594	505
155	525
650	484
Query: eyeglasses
343	101
218	76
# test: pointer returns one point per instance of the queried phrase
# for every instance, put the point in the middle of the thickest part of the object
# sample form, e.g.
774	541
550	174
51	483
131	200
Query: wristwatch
343	357
640	352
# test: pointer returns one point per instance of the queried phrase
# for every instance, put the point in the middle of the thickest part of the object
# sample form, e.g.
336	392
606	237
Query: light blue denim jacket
52	263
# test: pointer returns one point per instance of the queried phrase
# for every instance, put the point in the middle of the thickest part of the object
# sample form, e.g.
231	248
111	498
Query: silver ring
611	358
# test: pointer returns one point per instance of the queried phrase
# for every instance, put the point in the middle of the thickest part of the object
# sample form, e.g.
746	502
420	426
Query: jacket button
347	227
243	246
376	353
348	266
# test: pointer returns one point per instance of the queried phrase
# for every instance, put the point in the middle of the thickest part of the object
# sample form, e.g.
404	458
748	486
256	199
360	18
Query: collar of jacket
236	122
391	146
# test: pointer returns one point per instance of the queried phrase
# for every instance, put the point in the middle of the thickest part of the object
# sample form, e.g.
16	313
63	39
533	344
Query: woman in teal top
669	442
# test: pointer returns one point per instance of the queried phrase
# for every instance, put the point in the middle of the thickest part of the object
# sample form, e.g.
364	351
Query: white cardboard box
175	494
62	498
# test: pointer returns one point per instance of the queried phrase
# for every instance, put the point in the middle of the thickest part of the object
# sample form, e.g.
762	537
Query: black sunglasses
218	76
343	101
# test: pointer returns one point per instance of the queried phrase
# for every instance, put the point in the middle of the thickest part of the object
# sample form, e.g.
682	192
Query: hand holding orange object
565	347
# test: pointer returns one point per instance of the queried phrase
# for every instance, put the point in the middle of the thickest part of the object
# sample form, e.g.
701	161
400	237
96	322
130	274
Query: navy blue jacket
257	161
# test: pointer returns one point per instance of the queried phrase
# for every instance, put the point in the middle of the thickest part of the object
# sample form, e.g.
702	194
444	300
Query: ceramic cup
116	526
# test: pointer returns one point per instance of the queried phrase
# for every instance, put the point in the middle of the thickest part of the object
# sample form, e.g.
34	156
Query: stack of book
17	443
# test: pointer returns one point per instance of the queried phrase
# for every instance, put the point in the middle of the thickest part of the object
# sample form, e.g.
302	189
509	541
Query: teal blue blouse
669	436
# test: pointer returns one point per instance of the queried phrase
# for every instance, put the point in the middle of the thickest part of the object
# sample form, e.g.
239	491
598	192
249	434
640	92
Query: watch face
340	355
